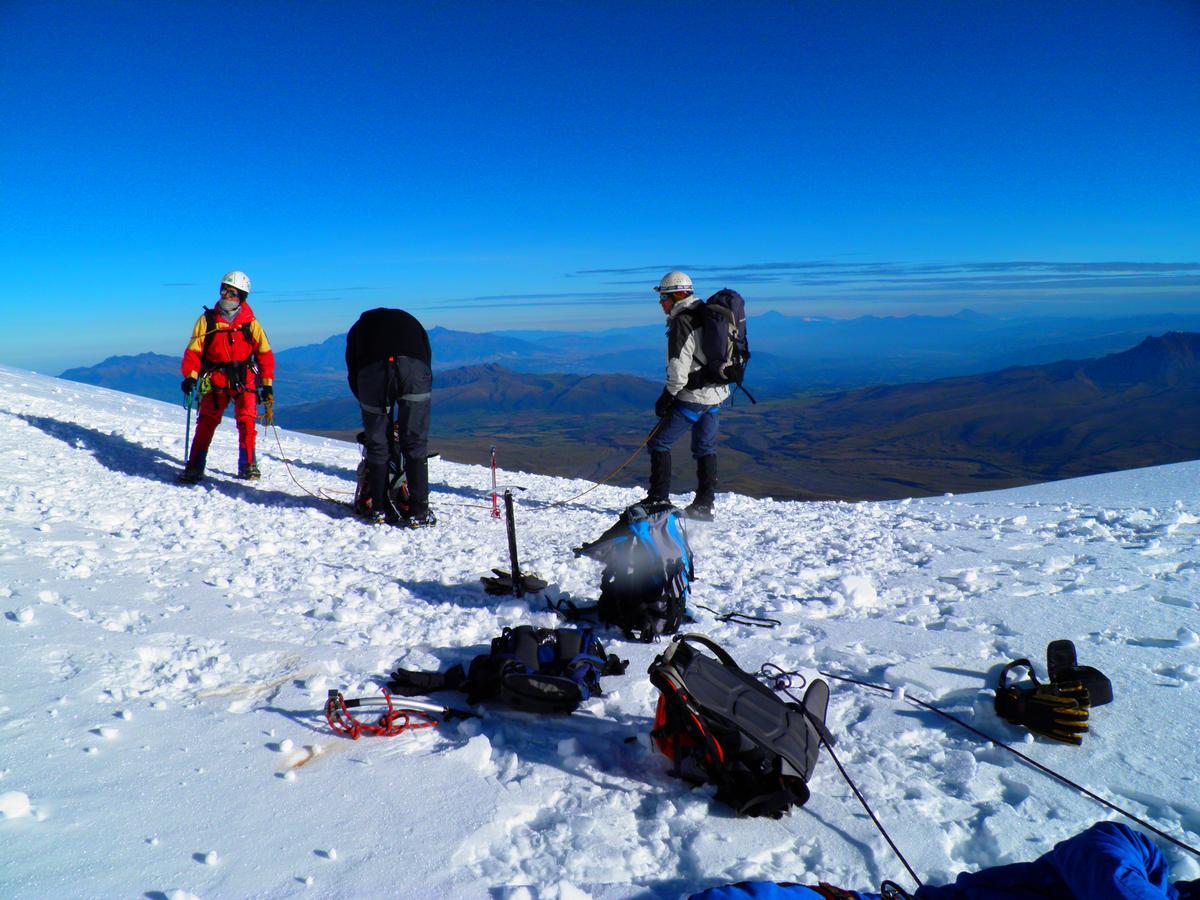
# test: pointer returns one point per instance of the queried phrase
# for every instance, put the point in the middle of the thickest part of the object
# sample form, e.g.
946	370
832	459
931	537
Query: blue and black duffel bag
543	670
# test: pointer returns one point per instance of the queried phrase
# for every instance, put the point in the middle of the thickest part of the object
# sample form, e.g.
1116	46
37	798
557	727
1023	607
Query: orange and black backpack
720	725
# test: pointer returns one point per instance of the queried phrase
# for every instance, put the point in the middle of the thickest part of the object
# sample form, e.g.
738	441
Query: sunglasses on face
227	291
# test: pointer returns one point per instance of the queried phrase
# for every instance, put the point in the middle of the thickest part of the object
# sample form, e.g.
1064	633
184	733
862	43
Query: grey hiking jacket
684	356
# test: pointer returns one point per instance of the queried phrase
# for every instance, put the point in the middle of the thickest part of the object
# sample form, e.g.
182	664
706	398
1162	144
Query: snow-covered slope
166	652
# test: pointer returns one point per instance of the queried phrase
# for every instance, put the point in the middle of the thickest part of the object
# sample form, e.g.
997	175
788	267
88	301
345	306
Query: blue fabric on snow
1108	860
766	890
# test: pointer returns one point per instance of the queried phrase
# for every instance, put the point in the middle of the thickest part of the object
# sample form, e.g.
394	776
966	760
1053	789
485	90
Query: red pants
212	408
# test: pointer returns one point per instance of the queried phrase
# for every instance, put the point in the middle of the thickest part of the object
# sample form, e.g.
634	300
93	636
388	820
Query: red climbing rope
394	720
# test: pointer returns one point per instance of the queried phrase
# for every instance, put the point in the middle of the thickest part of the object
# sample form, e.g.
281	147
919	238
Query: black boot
660	478
706	489
382	510
417	470
193	472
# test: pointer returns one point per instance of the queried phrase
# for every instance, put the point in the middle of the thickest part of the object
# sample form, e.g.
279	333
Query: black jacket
382	333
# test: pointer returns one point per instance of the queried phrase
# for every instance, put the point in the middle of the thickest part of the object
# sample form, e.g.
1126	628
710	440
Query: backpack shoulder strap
210	332
210	329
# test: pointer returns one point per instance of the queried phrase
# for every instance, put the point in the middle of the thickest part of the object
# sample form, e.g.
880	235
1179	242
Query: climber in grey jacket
681	408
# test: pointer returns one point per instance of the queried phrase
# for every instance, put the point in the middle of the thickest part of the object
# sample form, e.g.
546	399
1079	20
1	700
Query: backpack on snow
721	725
541	670
648	571
397	478
723	341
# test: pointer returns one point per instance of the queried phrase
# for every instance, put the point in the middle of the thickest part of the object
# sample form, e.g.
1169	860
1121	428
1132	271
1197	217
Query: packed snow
167	651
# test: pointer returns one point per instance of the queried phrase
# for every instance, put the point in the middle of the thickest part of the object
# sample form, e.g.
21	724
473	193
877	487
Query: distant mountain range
974	431
1016	426
977	432
792	354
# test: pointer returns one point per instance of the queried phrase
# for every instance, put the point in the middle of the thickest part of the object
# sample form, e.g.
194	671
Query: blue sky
493	165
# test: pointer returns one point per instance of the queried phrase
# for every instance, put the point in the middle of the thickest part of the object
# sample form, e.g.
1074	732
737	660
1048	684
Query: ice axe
187	432
512	582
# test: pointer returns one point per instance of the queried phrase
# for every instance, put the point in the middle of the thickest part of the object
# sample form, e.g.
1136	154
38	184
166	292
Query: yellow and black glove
1057	711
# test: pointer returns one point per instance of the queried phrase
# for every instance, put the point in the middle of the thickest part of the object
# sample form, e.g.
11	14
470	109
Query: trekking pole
781	680
863	800
187	432
1017	753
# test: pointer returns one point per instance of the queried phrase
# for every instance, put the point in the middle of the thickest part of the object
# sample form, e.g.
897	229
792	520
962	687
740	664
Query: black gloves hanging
266	394
188	385
663	404
1058	711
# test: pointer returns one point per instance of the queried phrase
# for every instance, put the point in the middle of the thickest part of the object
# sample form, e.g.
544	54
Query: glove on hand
1057	711
188	385
266	393
663	404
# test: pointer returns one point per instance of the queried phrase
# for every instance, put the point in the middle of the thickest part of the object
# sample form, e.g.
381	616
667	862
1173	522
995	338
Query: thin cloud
569	295
313	295
744	267
935	277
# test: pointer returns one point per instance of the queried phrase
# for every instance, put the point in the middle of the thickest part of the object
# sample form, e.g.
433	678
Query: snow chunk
475	754
860	593
512	610
211	858
14	805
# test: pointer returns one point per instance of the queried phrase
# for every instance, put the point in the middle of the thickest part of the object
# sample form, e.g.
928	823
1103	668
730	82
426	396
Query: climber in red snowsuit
228	354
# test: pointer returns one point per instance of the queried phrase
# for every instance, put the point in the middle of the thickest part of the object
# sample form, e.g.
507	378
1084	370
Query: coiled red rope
394	720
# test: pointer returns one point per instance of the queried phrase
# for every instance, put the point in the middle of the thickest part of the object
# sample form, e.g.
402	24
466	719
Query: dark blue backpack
543	670
723	341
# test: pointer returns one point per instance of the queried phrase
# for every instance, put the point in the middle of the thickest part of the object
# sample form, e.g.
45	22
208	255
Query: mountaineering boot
249	472
420	520
191	474
660	478
701	508
415	495
382	517
382	511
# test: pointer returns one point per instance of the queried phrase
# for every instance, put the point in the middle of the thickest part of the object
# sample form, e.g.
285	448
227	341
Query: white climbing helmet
237	280
674	281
